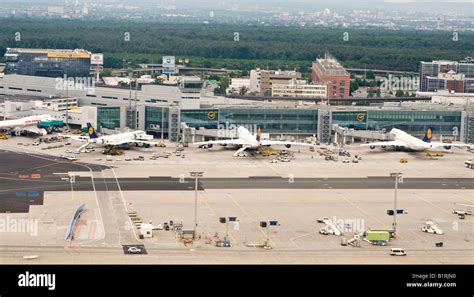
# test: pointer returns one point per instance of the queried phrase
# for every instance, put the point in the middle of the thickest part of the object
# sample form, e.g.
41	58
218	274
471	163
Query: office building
330	71
451	76
299	89
48	62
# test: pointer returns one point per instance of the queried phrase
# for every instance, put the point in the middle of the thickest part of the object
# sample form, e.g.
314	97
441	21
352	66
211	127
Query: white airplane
137	138
405	141
246	140
27	124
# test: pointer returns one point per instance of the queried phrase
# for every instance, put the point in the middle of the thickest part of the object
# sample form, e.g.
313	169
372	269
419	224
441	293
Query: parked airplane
403	140
137	138
27	124
246	140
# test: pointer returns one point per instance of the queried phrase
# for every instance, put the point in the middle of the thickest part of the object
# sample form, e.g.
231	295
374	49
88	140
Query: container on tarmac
377	235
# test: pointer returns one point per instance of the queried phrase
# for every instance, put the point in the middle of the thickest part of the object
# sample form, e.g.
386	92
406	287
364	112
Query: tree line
215	45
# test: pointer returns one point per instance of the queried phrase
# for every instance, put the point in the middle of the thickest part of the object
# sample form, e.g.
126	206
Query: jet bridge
345	135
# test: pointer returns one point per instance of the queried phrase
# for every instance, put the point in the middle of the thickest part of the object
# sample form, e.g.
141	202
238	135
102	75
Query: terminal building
182	113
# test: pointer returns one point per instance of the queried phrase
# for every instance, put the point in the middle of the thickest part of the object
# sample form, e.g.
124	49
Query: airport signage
169	71
97	59
169	61
68	56
169	65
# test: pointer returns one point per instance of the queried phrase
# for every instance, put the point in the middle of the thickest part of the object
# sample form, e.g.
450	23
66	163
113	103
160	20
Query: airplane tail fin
91	131
428	135
259	134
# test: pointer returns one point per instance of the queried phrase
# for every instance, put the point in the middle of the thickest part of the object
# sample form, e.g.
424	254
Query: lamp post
196	175
398	179
267	224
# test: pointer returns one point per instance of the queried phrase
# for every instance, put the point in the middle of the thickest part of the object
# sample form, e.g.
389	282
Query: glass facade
304	121
415	122
294	121
207	118
108	117
156	120
42	64
350	119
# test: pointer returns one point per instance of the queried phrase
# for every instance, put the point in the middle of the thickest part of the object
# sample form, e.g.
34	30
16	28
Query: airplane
27	124
405	141
246	140
137	137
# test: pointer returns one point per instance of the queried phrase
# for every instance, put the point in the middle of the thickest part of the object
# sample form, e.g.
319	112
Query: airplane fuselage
412	143
114	139
248	137
24	122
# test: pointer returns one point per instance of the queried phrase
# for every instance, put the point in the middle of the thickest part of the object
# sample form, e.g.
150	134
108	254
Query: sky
286	5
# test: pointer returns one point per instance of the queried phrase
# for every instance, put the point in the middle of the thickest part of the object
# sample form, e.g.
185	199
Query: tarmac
36	185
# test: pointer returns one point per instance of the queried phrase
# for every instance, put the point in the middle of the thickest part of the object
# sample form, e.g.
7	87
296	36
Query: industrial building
181	112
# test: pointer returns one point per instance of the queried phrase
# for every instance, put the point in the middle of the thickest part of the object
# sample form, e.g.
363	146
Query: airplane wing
276	142
76	137
131	141
442	144
386	143
35	130
224	141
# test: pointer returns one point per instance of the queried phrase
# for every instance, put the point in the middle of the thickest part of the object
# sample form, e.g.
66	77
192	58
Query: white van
397	252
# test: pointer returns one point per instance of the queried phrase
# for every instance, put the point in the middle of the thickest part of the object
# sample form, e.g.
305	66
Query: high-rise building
48	62
450	76
330	71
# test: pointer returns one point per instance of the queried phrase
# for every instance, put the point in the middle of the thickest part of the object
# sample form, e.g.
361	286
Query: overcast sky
466	6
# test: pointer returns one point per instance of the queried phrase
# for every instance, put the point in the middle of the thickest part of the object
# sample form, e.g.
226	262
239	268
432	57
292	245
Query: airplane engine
209	145
372	147
224	144
288	145
448	147
384	146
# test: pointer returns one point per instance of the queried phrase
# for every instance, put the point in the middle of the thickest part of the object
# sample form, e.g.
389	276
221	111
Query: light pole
196	175
267	224
398	179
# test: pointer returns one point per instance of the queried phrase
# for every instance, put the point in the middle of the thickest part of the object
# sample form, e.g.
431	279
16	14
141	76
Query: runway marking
440	208
368	214
125	205
292	240
263	232
418	235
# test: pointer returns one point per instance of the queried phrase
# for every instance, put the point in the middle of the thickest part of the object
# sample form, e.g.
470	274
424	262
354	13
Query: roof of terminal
45	51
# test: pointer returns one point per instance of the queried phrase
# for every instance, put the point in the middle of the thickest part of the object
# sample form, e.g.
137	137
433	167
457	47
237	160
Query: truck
431	227
469	164
377	236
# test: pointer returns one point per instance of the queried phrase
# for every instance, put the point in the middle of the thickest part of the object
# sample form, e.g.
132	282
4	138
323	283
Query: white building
299	88
255	78
237	84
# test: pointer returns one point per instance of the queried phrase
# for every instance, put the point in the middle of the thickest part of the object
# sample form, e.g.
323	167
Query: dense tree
212	45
